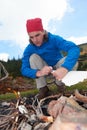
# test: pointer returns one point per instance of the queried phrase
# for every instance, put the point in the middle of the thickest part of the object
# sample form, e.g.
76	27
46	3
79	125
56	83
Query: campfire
56	112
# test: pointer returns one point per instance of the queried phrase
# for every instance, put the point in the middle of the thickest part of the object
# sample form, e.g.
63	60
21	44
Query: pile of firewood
56	112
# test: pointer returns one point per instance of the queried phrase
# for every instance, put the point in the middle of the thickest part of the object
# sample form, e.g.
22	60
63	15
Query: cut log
75	121
64	105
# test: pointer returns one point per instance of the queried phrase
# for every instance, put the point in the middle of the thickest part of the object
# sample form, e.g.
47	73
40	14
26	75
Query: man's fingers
53	71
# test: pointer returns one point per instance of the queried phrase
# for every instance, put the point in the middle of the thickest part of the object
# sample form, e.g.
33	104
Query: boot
43	92
61	86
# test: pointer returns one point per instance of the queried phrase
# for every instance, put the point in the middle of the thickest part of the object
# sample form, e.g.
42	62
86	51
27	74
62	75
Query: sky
67	18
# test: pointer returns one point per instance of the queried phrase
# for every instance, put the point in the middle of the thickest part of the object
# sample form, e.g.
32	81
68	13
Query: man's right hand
44	71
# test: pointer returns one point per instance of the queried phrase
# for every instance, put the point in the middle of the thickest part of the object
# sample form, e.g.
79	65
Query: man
43	56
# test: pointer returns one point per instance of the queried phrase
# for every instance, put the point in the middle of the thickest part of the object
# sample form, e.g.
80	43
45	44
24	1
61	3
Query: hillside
83	49
83	57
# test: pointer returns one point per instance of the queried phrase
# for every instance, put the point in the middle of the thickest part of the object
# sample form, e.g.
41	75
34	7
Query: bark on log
75	121
80	97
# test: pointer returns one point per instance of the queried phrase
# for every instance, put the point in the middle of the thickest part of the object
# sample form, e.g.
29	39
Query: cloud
4	56
14	13
78	40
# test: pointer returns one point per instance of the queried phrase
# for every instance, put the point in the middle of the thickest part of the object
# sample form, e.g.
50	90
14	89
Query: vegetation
83	57
10	96
13	67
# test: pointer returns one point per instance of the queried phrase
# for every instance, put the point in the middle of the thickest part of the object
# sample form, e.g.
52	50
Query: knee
76	66
33	58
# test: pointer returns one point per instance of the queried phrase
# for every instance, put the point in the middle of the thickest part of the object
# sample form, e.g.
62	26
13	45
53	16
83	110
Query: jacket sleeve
71	58
73	52
25	68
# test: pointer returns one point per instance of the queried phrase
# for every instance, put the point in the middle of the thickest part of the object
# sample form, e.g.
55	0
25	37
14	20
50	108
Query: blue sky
67	18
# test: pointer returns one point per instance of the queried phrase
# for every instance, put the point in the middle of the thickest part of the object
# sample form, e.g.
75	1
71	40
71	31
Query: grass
9	96
79	86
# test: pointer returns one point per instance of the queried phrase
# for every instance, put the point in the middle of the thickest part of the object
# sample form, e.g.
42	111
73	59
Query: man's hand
44	71
59	73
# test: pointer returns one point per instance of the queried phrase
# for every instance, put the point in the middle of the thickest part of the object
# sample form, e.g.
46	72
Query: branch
5	71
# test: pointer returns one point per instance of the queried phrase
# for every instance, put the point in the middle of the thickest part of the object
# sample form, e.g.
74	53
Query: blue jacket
50	51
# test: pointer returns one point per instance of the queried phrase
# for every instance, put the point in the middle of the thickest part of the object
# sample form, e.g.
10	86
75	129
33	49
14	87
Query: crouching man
43	56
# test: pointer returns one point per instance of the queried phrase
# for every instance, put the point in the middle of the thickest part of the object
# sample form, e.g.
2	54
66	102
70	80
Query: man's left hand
60	73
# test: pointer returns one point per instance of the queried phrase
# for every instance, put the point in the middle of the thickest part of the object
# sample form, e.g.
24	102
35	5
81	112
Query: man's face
36	37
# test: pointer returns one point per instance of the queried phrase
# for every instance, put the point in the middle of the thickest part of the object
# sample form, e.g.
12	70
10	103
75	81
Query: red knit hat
34	25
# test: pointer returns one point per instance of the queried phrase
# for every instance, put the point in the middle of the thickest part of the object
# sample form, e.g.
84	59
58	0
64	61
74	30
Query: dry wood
5	72
80	97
